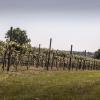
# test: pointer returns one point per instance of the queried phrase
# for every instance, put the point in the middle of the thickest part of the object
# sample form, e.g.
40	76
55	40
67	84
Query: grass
50	85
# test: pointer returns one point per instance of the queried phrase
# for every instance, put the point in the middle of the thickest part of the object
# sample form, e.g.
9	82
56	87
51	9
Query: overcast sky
68	22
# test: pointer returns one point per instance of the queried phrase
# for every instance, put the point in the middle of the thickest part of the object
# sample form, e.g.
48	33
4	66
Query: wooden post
81	65
57	60
33	58
4	58
46	59
38	57
76	64
94	65
49	51
42	61
9	50
28	60
85	53
70	61
89	65
64	62
84	61
60	64
52	61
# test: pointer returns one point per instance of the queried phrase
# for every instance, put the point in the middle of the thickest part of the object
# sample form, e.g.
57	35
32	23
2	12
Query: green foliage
17	35
17	39
2	47
97	54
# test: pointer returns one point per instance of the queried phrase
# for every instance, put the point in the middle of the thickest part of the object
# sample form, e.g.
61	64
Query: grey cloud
49	5
49	9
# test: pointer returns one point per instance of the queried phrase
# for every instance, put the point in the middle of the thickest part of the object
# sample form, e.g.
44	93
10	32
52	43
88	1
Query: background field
50	85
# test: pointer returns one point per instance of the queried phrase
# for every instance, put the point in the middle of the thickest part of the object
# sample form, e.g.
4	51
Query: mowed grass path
50	85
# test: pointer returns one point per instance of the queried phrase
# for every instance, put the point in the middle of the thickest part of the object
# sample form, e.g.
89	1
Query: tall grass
50	85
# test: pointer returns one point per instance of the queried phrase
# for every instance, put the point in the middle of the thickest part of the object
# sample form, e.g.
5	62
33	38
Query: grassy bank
50	85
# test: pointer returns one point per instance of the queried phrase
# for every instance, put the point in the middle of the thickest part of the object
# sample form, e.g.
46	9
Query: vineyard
14	54
36	73
50	60
49	49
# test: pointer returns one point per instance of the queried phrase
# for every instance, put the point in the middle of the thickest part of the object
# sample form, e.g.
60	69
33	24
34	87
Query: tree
16	39
97	54
17	35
